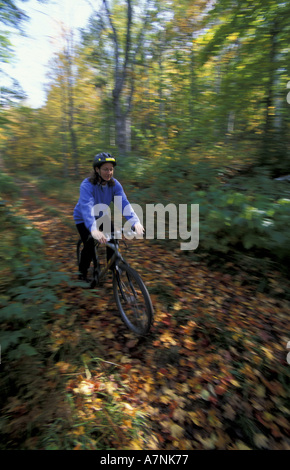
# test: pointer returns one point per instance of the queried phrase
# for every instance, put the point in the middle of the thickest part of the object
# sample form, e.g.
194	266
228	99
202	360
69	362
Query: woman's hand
139	229
98	235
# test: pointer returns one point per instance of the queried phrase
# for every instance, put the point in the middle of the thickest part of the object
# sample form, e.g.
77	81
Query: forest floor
212	374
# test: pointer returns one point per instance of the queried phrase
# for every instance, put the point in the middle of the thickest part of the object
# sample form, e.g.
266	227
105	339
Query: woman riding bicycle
100	188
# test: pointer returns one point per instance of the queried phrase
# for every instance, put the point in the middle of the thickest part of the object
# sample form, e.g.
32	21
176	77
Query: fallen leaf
132	343
229	412
208	442
176	431
179	415
242	446
260	391
261	441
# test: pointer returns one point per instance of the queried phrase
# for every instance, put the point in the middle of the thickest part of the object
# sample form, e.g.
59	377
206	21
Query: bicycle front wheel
132	299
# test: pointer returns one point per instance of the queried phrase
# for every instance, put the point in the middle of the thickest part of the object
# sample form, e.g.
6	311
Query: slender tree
123	44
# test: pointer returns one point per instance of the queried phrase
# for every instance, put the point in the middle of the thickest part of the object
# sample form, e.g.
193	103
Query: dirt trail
207	377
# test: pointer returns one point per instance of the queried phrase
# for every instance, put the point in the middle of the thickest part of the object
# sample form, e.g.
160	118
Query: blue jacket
90	195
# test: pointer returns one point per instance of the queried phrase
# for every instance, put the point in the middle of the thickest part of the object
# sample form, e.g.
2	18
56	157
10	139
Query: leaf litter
212	374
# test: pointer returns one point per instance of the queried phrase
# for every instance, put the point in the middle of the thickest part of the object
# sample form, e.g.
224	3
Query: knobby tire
131	296
132	299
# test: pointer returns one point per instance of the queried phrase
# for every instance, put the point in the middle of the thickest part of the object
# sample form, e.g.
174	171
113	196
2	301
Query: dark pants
87	253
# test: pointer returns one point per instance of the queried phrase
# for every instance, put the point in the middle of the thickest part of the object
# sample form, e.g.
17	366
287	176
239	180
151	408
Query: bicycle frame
116	256
130	293
114	247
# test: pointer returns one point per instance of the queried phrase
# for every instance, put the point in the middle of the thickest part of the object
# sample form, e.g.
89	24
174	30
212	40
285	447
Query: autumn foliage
212	374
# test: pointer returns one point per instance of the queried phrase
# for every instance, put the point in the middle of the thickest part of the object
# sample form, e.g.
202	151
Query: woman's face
106	171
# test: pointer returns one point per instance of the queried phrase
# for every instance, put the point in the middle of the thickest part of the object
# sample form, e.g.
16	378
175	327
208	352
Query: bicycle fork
100	273
125	297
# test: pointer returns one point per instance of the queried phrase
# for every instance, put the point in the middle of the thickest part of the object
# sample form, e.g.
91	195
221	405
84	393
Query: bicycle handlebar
117	235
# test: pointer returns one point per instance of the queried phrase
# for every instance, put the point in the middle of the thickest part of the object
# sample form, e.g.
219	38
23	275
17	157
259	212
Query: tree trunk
121	132
122	107
71	111
63	128
269	135
192	96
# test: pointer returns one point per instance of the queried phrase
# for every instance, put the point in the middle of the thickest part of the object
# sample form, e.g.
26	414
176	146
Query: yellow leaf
84	388
147	388
77	447
260	440
268	353
167	338
213	419
268	417
136	445
183	388
63	366
177	306
242	446
128	407
209	442
197	417
110	387
109	335
125	360
127	423
179	415
234	383
260	391
165	399
176	431
79	431
168	392
173	371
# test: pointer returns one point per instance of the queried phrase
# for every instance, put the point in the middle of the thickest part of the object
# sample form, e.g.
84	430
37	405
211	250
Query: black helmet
102	158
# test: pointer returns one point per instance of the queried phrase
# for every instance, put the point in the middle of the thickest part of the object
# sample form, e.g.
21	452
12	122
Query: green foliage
61	189
12	17
8	187
219	77
253	218
5	49
227	88
27	281
11	14
25	309
241	213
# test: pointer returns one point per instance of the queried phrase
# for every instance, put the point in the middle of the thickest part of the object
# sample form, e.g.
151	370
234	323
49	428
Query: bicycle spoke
133	300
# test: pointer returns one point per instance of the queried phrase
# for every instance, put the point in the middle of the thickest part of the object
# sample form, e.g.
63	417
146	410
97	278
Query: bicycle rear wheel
93	271
132	299
79	249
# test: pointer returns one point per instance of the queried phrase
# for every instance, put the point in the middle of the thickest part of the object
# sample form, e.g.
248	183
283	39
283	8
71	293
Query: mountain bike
130	293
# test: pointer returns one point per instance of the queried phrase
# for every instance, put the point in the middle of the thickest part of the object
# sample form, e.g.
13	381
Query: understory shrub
244	213
231	218
27	282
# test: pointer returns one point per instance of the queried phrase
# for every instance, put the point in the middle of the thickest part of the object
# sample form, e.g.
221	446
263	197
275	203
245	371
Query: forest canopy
159	78
192	99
